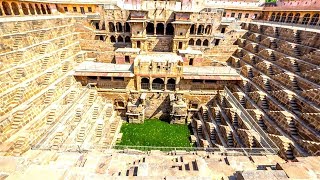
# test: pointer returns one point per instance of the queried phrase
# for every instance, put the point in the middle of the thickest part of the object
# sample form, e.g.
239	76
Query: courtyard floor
154	132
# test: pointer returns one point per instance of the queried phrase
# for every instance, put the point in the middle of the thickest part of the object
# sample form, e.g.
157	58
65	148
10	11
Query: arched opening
306	19
48	9
120	39
169	29
145	83
160	29
138	44
191	42
127	39
127	27
119	103
31	9
15	8
200	29
24	9
38	9
278	17
111	27
198	42
283	17
171	84
192	29
273	15
6	8
289	19
150	28
296	18
206	42
119	27
314	20
43	10
208	29
157	84
112	39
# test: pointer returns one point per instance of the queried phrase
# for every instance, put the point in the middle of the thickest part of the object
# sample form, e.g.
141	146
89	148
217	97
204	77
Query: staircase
19	74
230	140
17	42
272	57
18	96
218	118
49	96
99	130
288	151
61	42
18	58
43	49
95	113
262	124
205	114
297	51
276	32
48	77
17	119
51	116
267	86
65	66
293	128
264	104
293	105
295	66
295	85
92	97
250	74
71	96
270	71
81	134
297	37
44	63
17	27
235	122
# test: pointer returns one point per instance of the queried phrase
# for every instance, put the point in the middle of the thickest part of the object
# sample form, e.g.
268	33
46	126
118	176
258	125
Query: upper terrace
300	5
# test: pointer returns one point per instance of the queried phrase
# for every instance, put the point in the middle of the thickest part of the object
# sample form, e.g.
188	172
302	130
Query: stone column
177	88
1	9
150	83
165	83
138	80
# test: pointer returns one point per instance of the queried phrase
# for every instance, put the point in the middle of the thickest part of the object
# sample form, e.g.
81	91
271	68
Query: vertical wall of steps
36	85
281	82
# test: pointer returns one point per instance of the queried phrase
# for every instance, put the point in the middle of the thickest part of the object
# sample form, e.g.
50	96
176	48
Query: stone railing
145	85
157	86
283	24
173	150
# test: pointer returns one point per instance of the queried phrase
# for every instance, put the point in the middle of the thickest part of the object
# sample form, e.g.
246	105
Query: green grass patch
154	132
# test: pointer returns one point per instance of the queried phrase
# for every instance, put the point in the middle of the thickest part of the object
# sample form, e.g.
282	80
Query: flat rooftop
89	68
159	57
210	72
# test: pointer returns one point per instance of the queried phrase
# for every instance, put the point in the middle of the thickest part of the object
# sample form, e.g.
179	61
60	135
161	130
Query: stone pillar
177	88
1	9
138	80
150	83
165	83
